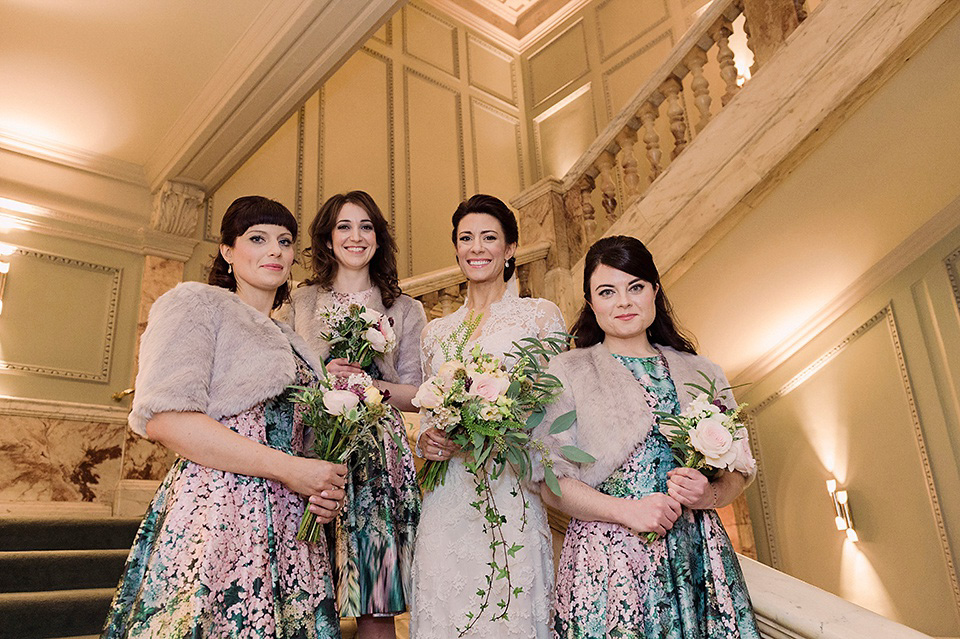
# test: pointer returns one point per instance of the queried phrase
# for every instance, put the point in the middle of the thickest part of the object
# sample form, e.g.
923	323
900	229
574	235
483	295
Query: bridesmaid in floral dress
353	257
631	361
217	554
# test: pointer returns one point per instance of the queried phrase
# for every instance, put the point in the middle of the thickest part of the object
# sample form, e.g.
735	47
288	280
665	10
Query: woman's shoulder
405	304
303	294
189	295
690	361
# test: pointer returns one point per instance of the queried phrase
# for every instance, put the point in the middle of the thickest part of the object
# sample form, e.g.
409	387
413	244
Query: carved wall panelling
884	317
176	208
209	233
476	46
625	14
411	145
568	125
424	33
553	56
655	49
384	34
298	197
513	121
101	371
952	264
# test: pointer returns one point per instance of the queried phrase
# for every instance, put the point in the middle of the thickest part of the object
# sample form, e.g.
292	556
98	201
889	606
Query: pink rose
428	395
340	402
711	438
744	462
376	339
489	387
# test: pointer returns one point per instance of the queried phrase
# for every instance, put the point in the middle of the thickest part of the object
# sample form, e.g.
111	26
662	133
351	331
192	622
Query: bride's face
482	249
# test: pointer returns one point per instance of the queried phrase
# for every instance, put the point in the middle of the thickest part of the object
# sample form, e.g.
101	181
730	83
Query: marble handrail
788	608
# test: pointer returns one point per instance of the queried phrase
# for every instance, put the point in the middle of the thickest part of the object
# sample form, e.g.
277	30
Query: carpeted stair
57	576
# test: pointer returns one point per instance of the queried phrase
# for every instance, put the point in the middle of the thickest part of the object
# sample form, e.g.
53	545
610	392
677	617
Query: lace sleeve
549	319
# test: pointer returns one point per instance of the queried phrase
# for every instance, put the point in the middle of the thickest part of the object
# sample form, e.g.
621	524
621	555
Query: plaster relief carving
176	208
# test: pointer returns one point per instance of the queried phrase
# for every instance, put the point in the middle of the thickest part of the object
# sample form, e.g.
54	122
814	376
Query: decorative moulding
278	63
176	208
102	373
73	411
605	55
511	119
75	158
503	55
454	39
883	316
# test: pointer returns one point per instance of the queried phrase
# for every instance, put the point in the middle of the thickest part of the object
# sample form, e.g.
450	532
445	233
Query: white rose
370	316
376	339
715	442
428	395
448	371
339	402
698	405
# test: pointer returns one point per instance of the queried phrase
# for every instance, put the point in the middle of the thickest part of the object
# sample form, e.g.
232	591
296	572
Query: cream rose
372	395
339	402
489	387
428	395
489	412
376	339
744	462
714	441
448	371
370	316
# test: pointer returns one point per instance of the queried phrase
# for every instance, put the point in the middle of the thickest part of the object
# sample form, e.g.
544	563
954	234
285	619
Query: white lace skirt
451	557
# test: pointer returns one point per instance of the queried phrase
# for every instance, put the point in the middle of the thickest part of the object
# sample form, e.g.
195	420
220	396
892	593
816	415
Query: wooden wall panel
497	150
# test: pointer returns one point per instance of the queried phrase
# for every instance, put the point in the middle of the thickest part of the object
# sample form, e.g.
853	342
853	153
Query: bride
452	550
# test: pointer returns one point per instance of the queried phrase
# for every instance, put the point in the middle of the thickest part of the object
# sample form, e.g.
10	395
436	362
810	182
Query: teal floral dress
613	583
217	554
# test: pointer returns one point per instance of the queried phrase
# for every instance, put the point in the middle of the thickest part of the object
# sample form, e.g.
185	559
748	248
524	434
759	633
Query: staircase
57	576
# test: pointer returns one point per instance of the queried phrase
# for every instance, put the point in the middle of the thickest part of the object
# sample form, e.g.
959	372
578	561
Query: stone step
26	533
54	613
39	570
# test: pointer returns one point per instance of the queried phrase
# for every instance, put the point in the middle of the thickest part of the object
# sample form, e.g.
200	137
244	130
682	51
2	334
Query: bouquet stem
432	473
310	529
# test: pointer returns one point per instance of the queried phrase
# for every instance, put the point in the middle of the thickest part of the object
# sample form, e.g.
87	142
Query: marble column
769	22
176	212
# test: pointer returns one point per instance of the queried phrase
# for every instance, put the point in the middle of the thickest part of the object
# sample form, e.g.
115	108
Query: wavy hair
383	265
243	213
628	254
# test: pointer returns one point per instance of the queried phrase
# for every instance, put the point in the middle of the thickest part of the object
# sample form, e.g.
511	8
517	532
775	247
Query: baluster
628	161
801	6
448	300
585	187
608	188
523	280
700	85
671	89
431	304
648	115
728	70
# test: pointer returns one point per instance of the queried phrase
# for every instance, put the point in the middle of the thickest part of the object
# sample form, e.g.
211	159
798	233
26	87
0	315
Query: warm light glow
7	249
842	496
4	267
852	535
841	524
742	55
17	206
831	486
1	307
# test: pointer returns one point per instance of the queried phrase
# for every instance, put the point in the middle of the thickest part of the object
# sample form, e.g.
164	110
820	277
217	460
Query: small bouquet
708	435
357	333
490	411
345	414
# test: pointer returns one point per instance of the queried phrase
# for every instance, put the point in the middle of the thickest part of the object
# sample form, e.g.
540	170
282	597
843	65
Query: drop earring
229	269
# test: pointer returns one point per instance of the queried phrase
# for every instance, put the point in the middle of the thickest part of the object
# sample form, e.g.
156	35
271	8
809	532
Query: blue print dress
613	583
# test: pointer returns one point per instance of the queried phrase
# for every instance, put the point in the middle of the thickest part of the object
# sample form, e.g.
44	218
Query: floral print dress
217	554
374	535
613	583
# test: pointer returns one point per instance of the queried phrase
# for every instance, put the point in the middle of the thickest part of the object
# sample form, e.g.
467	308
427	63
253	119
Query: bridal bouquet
357	333
345	414
490	411
708	435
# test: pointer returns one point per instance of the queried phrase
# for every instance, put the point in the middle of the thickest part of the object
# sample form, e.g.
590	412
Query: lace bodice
453	548
509	320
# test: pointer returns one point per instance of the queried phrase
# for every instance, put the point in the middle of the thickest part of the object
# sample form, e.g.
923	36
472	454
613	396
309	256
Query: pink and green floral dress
613	583
217	554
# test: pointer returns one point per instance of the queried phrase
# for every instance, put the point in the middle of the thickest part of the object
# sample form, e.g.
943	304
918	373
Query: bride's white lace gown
452	550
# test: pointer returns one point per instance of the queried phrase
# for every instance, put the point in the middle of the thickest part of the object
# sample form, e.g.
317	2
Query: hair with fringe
489	205
628	254
243	213
383	265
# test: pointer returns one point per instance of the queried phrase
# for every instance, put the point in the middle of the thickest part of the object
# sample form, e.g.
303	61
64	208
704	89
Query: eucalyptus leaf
574	454
550	479
563	422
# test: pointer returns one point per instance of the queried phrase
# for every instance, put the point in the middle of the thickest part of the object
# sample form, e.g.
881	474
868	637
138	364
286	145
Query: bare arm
206	441
654	513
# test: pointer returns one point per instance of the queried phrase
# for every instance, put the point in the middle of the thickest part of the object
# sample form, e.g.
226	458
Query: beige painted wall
426	113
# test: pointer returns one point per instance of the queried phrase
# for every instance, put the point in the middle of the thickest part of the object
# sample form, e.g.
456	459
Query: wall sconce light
841	505
5	250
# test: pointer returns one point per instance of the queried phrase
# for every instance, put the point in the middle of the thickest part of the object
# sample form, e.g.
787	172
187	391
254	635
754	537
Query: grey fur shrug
205	350
612	413
400	366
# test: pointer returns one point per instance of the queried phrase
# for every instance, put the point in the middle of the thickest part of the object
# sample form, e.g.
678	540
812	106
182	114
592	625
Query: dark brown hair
383	265
628	254
489	205
243	213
